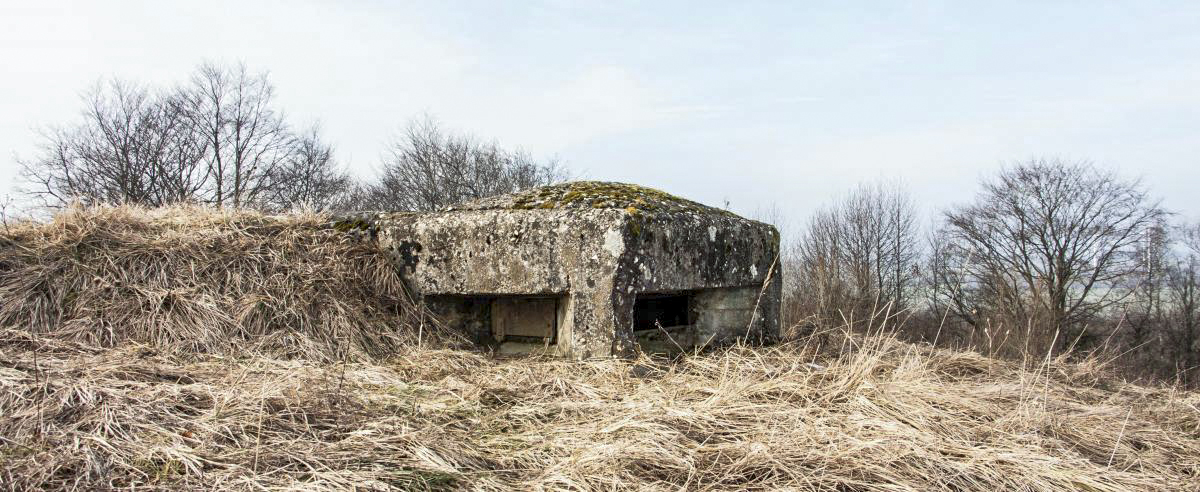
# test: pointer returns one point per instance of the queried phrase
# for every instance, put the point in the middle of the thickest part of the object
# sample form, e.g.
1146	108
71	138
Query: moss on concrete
351	224
634	199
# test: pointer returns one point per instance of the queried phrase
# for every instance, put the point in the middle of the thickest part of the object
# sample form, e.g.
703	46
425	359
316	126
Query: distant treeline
1049	258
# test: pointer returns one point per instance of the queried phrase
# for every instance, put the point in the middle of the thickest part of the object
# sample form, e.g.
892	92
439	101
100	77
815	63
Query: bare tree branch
428	169
1045	244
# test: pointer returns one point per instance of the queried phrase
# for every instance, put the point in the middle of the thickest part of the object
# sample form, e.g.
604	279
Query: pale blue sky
759	103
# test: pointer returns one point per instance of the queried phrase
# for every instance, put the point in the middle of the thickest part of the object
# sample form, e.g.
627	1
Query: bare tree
860	255
1189	235
1183	344
216	139
309	177
1144	309
427	169
132	146
1045	246
1184	297
231	109
821	288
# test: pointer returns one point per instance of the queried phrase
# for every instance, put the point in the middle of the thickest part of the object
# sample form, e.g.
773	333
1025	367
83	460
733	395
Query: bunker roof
632	198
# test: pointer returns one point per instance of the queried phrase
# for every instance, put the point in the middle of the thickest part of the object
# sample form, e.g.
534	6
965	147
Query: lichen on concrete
596	246
634	199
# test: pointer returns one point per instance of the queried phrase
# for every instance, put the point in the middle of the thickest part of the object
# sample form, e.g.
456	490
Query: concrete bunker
589	269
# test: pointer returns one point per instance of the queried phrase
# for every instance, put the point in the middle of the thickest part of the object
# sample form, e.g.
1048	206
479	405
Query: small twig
38	381
1119	436
4	216
258	432
761	292
15	443
669	337
337	421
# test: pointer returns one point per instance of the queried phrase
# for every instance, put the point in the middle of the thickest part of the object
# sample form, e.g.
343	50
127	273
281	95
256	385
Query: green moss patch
634	199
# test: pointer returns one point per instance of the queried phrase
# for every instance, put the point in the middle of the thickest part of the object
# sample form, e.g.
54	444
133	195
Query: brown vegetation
241	380
199	280
1051	256
861	414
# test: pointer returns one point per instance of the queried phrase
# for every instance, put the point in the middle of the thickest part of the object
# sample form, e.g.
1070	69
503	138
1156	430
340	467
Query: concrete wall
502	251
729	263
697	251
517	252
723	315
598	258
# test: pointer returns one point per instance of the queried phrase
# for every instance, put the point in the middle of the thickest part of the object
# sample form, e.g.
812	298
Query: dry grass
197	280
131	406
885	416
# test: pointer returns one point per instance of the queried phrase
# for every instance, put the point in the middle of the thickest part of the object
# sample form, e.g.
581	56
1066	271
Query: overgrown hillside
198	280
191	349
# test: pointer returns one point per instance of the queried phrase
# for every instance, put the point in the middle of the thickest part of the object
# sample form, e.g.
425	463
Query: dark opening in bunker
525	319
502	320
667	310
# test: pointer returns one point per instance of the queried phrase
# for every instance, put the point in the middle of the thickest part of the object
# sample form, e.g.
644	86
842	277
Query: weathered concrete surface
719	257
595	247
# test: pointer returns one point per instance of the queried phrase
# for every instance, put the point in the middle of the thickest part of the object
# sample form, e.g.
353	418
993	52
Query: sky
783	105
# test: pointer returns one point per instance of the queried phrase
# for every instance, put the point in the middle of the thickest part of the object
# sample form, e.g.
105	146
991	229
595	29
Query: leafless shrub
1181	332
427	168
857	257
308	178
133	146
217	139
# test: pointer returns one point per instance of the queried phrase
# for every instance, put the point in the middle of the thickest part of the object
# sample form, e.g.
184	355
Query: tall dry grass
833	412
199	280
104	384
